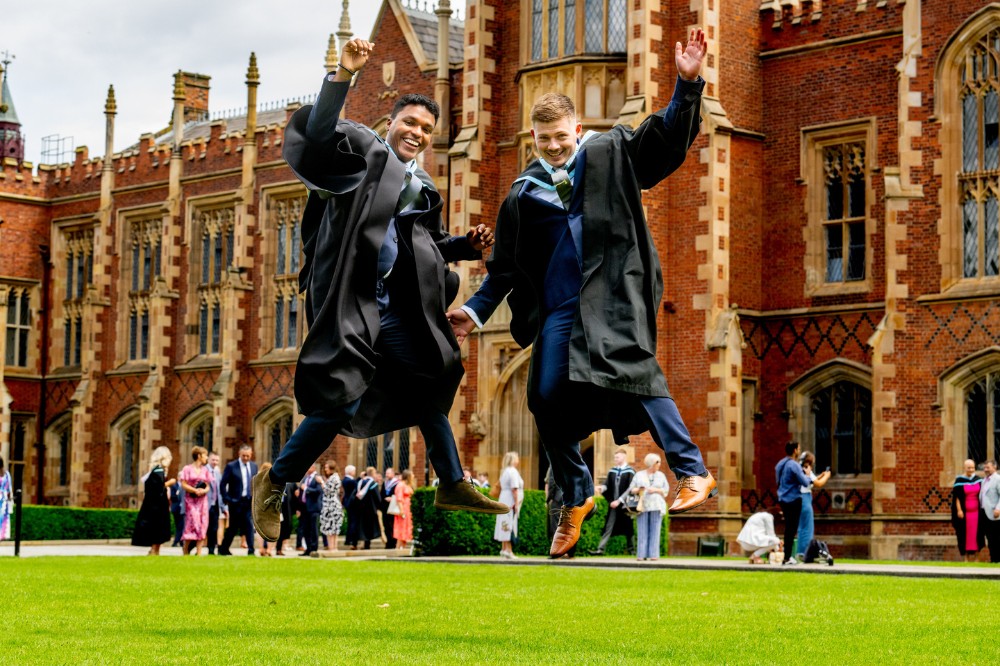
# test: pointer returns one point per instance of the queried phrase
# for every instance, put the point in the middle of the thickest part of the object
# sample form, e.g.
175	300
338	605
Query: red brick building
830	255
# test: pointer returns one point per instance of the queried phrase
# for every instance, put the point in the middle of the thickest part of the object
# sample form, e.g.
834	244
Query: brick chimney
196	89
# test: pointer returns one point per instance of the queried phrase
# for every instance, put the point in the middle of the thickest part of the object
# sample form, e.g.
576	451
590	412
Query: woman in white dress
511	494
758	535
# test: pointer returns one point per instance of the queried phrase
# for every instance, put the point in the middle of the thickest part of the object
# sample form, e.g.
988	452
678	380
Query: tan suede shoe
463	496
570	523
265	505
693	491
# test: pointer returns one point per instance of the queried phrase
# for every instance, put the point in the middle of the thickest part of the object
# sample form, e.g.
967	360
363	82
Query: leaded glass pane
970	244
147	268
553	28
536	30
970	134
834	253
865	434
78	342
569	34
388	451
130	455
135	267
593	26
156	259
206	257
230	246
281	249
25	309
279	323
976	427
856	181
217	268
293	321
69	276
144	336
403	454
835	199
12	305
67	341
371	452
216	322
992	238
64	439
79	277
11	341
296	248
617	28
822	418
991	111
22	349
203	330
133	334
856	251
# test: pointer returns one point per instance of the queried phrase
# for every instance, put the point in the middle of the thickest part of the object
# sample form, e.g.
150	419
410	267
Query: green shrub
463	533
59	523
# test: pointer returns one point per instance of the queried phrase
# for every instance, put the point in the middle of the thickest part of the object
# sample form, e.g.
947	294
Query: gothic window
278	434
286	221
216	229
391	449
561	28
983	413
130	454
196	430
978	178
142	255
64	441
79	269
842	422
58	453
18	327
844	186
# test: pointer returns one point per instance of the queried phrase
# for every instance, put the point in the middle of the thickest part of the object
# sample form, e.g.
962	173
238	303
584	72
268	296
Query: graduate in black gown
152	524
380	354
575	256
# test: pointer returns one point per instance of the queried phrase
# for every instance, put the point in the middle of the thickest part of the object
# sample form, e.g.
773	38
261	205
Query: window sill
277	357
965	290
839	289
200	363
66	372
20	372
130	368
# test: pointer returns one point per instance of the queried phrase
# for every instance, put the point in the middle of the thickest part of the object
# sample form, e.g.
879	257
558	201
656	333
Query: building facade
829	249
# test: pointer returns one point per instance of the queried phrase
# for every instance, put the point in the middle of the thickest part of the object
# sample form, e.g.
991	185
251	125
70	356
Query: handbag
393	508
633	502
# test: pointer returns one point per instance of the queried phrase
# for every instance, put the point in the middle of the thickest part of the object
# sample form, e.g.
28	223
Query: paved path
121	548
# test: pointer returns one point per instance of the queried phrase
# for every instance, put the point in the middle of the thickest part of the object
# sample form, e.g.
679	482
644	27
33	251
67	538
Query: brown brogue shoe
570	523
693	491
463	496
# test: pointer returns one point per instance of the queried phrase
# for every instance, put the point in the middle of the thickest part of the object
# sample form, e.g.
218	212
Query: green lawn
168	610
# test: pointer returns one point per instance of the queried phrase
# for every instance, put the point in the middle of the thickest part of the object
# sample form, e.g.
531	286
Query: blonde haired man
575	256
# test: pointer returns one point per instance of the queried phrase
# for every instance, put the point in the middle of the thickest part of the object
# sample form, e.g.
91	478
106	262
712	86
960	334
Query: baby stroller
818	551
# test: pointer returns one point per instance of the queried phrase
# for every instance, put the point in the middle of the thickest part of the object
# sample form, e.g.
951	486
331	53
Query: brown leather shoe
463	496
693	491
568	532
265	505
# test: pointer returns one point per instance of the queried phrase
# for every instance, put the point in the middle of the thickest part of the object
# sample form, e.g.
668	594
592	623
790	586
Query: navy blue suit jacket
231	486
350	487
314	495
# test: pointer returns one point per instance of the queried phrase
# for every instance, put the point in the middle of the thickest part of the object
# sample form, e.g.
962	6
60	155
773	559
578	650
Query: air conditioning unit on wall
838	501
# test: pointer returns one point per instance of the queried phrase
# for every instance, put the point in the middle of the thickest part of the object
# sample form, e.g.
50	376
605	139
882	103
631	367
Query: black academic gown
617	483
355	181
613	341
152	524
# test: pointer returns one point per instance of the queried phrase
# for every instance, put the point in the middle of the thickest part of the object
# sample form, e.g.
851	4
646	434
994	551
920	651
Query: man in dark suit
379	355
350	485
216	507
618	522
388	519
312	490
577	259
236	493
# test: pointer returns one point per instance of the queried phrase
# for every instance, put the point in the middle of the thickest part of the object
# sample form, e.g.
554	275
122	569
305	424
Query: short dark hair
246	447
419	100
790	448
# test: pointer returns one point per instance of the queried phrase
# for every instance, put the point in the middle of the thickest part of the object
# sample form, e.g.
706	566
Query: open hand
461	324
480	238
689	58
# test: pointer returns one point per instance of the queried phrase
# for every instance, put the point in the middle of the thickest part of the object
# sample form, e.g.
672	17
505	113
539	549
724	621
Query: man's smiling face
556	140
409	132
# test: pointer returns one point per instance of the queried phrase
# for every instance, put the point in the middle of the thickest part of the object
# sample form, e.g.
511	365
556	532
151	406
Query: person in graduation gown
368	502
965	513
380	354
618	522
152	523
576	257
386	492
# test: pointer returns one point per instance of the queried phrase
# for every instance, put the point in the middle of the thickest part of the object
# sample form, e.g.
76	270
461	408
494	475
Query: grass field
63	610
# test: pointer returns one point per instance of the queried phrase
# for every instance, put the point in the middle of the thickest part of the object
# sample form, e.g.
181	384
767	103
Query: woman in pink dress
195	480
965	511
402	527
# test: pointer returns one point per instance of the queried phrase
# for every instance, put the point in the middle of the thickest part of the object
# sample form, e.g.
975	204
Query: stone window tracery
287	222
18	327
842	422
983	418
78	275
216	232
143	265
560	28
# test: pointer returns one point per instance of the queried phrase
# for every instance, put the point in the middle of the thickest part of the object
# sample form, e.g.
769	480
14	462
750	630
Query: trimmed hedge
62	523
463	533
